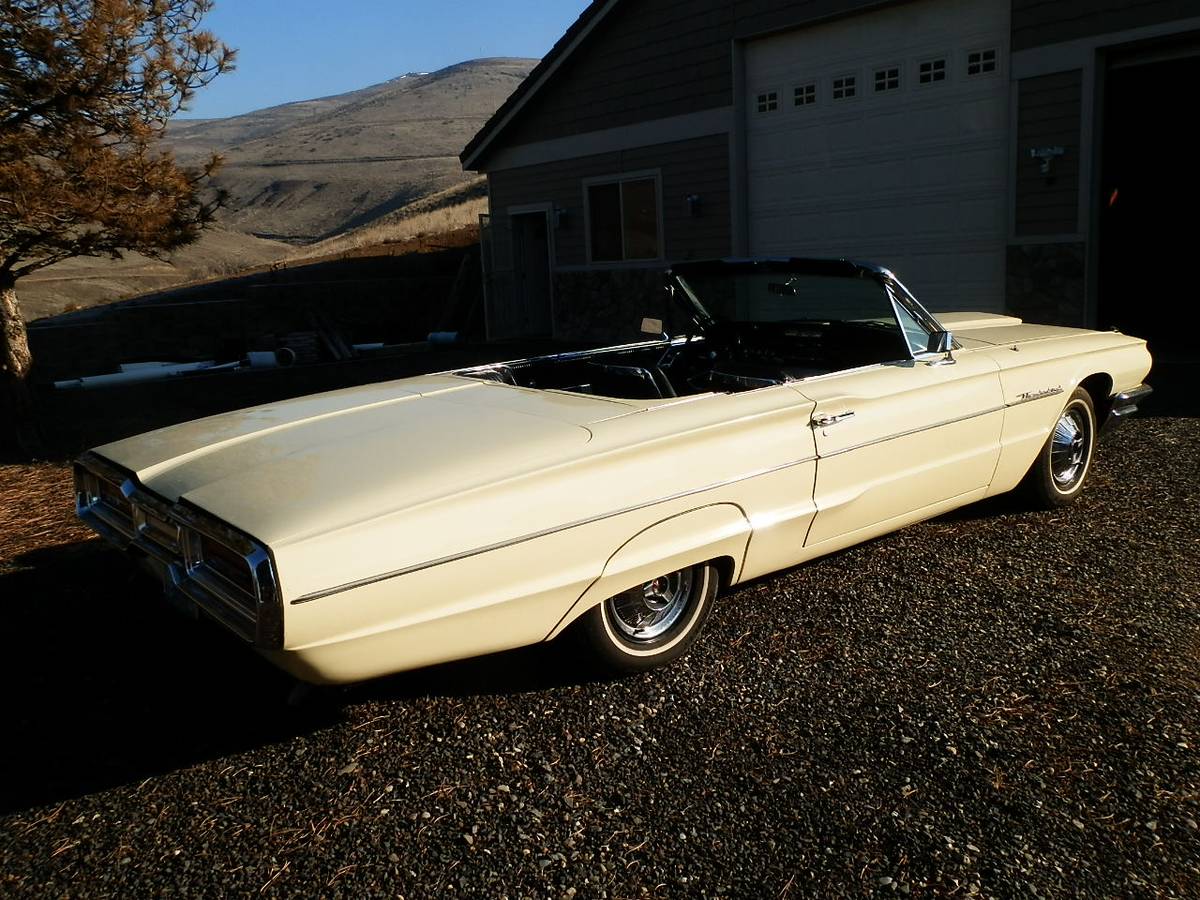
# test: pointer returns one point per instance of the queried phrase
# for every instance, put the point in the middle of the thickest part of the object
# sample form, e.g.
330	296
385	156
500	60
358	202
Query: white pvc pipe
133	376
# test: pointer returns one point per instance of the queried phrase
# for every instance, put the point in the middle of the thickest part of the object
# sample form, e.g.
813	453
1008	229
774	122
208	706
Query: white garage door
884	137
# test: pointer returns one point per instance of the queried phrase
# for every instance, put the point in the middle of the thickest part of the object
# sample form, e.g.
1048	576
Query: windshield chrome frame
898	295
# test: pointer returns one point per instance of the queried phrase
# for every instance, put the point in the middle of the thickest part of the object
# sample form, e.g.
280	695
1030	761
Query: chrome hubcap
648	612
1069	448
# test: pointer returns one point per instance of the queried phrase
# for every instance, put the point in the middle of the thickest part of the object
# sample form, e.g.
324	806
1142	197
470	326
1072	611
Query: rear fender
700	535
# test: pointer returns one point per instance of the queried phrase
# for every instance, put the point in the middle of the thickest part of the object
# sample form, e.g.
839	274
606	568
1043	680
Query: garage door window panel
623	219
845	87
982	62
887	79
931	71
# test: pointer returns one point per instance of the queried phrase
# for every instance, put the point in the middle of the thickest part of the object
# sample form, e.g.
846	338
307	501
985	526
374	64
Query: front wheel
651	624
1058	473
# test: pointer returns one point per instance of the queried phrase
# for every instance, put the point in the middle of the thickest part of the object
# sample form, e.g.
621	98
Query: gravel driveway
996	702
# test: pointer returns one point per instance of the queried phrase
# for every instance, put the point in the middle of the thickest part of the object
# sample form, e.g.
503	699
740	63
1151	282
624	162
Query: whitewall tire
1061	468
651	624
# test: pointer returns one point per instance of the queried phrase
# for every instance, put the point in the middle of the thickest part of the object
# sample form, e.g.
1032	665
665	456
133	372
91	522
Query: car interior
748	326
731	357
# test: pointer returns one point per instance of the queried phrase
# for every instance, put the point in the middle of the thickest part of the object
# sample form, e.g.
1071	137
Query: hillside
453	210
87	281
306	171
312	171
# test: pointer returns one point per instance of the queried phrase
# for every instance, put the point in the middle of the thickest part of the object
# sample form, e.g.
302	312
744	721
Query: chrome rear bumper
165	537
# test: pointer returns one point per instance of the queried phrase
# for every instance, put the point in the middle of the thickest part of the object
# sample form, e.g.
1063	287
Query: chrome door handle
823	421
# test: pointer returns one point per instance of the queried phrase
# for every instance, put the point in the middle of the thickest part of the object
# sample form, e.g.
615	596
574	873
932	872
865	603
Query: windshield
786	297
790	297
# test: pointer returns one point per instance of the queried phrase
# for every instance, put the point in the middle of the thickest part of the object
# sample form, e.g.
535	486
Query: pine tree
86	90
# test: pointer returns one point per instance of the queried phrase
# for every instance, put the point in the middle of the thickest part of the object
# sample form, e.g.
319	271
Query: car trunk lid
326	461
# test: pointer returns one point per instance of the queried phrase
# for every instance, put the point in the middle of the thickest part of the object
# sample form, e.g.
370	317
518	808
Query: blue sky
299	49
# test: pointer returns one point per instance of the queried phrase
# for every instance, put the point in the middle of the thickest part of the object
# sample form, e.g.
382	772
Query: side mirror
941	342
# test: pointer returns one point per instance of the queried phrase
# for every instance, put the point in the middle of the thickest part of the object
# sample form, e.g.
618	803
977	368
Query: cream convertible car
805	405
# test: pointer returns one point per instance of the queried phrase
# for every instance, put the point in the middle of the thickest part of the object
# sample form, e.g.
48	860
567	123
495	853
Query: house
1026	156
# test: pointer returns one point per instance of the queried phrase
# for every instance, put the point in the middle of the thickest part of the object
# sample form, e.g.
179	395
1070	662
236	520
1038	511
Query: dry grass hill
307	171
377	165
79	283
452	210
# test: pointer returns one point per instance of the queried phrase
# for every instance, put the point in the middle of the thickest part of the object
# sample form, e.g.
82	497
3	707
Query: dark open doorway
1149	212
1150	216
531	272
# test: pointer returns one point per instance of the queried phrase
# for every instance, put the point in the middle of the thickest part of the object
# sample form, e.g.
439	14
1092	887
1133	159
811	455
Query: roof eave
528	89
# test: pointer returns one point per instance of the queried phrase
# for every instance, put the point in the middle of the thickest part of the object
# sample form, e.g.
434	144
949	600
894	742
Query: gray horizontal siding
647	60
1036	23
756	17
699	166
1048	114
654	59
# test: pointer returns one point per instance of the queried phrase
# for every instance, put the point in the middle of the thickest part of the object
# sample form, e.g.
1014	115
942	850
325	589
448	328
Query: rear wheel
651	624
1058	474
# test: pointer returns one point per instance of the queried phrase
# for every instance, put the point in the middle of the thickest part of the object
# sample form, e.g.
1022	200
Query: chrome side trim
1025	398
500	545
566	355
408	570
912	431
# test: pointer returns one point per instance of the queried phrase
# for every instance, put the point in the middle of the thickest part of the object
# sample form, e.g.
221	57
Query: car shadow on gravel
107	686
998	507
532	669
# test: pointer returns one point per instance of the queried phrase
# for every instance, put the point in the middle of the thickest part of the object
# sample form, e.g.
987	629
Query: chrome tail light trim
173	535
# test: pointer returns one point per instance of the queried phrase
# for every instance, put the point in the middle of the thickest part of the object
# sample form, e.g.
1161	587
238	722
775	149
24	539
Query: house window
887	79
844	87
805	94
623	219
931	71
768	102
981	62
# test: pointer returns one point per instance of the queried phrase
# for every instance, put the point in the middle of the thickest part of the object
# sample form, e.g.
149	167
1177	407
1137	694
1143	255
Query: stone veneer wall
1046	282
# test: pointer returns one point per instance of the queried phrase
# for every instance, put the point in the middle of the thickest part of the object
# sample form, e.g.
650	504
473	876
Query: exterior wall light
1046	156
693	205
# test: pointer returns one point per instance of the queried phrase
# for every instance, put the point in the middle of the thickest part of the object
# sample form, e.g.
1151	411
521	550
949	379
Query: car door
896	438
